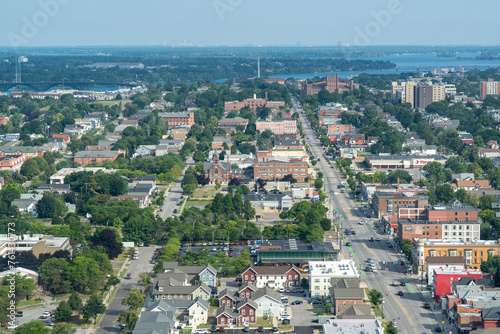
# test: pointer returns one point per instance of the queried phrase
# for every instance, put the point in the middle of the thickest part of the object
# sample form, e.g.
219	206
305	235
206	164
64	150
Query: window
242	311
169	296
251	312
175	296
290	277
246	277
224	302
222	321
252	277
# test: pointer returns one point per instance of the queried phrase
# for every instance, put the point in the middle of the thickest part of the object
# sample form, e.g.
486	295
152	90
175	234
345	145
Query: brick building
90	157
177	118
388	203
11	162
272	276
254	104
278	168
339	128
277	126
474	253
332	84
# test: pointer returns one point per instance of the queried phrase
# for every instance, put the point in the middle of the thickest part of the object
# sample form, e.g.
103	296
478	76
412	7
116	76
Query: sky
248	22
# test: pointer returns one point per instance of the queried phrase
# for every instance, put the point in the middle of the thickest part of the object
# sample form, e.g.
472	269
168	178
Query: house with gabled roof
268	302
227	297
206	274
272	276
246	290
170	288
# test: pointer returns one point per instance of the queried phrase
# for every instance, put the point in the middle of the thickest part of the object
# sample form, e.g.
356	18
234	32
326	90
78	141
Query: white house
269	302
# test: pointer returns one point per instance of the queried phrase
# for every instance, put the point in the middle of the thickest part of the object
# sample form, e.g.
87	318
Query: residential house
268	302
205	274
272	276
25	206
167	288
90	157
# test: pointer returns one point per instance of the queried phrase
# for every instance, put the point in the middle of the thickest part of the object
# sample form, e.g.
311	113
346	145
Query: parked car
377	239
314	301
438	329
49	323
281	290
371	239
19	314
129	276
287	290
238	279
301	289
221	329
201	331
427	305
45	315
348	243
246	329
400	293
260	329
284	316
12	326
275	330
297	302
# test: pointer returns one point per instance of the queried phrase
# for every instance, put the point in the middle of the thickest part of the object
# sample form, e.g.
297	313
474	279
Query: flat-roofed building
295	251
474	253
277	126
37	244
321	274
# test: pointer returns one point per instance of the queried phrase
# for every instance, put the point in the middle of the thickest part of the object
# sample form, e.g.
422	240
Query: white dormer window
160	288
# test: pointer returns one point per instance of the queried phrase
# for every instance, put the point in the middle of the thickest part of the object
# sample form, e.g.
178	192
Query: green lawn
206	192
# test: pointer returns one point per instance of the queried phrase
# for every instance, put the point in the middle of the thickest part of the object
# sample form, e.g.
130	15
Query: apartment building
384	203
254	104
27	151
474	253
90	157
278	168
321	274
490	87
332	84
274	277
177	118
277	126
37	244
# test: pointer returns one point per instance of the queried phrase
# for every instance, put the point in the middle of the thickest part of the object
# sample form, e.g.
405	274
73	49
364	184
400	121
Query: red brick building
278	168
254	104
354	139
332	84
11	162
437	213
177	118
389	203
339	128
90	157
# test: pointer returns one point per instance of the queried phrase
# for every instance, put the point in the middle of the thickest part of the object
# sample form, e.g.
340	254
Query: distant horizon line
250	46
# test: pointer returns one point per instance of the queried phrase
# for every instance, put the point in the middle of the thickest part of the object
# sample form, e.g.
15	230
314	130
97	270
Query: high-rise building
426	94
490	87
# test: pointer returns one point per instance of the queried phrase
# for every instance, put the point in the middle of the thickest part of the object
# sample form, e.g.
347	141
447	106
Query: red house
491	317
246	290
226	298
247	311
444	278
244	313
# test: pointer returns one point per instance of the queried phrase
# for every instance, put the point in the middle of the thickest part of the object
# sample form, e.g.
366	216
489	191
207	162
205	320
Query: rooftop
457	242
342	268
365	326
295	245
457	271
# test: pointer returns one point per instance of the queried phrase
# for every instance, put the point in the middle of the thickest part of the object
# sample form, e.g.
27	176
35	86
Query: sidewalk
436	310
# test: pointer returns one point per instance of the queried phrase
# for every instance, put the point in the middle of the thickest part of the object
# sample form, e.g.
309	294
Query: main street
406	311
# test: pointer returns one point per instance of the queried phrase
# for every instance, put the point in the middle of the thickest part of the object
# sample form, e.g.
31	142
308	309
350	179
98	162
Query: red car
221	329
129	276
242	243
230	254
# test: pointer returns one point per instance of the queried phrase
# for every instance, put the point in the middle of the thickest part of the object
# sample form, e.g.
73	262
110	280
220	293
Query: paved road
407	311
174	195
109	323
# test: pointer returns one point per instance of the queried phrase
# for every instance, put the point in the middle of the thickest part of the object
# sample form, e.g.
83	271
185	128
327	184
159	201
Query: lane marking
405	312
371	252
410	288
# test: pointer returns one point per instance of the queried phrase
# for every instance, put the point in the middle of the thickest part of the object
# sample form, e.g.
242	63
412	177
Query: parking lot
236	250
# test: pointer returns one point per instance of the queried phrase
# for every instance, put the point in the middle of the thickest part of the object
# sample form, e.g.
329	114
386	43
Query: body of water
405	61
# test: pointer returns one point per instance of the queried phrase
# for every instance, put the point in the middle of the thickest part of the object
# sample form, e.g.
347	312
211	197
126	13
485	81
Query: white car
284	317
281	290
360	222
335	192
201	331
12	326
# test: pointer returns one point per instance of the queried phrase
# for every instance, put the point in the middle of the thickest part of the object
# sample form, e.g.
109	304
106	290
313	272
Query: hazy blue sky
243	22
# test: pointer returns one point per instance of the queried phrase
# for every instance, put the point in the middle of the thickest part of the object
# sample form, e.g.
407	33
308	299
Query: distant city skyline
247	22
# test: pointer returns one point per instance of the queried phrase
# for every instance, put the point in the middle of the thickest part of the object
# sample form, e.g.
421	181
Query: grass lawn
191	203
285	328
25	303
112	103
263	323
206	192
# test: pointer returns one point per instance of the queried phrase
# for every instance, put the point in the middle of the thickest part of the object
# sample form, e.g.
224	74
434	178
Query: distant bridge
430	67
45	86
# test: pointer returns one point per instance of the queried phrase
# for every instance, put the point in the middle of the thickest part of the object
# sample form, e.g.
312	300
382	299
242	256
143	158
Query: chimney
254	96
398	184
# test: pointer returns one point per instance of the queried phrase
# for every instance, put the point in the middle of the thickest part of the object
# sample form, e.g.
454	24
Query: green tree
134	299
129	318
63	311
63	329
75	302
24	285
404	176
391	329
435	173
318	184
93	307
107	239
375	297
53	275
84	274
32	327
248	210
144	279
30	169
50	206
